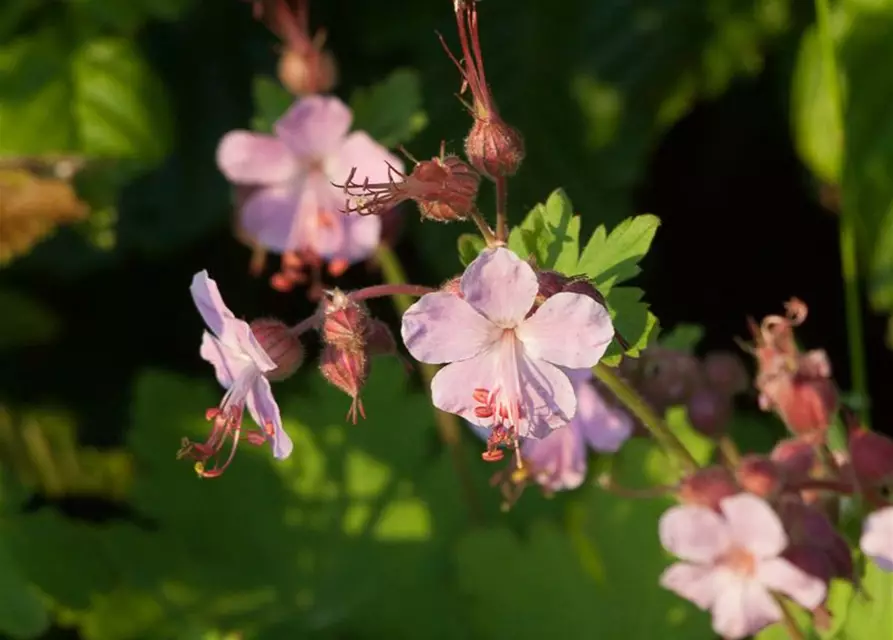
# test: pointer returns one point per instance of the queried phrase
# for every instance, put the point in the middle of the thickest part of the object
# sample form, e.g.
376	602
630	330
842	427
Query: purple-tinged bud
344	323
759	475
494	148
725	372
584	287
550	283
379	339
283	347
871	457
796	458
348	371
707	487
709	411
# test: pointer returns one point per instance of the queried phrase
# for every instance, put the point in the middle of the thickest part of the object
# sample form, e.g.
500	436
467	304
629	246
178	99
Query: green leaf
550	232
96	97
632	320
391	111
682	337
612	258
22	612
271	101
470	245
24	321
870	614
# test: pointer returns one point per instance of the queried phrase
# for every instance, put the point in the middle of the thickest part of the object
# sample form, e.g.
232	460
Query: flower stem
847	233
447	424
502	192
729	451
484	228
646	415
402	291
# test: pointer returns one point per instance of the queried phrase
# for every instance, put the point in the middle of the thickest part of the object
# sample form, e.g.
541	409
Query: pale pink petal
269	217
692	533
500	286
754	525
440	328
314	126
265	411
547	396
742	608
253	158
359	151
568	329
362	237
778	574
877	538
559	460
209	303
228	363
691	581
603	427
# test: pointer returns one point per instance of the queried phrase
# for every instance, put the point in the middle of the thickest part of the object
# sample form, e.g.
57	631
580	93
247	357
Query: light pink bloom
732	564
504	367
297	207
240	364
877	538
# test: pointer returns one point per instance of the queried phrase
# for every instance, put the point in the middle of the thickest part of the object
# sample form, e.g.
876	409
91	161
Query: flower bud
795	458
284	348
807	527
550	283
664	377
709	411
494	148
453	188
379	339
871	457
348	371
344	323
707	487
759	475
453	286
725	372
307	72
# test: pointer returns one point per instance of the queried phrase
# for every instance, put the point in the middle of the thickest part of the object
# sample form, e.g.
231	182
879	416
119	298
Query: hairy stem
448	426
637	406
502	229
484	228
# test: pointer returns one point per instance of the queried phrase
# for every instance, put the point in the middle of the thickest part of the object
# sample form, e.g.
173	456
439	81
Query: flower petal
754	525
228	363
265	411
693	533
877	538
245	157
691	581
440	328
361	153
209	302
568	329
559	460
314	126
500	286
602	426
742	608
362	235
779	574
547	397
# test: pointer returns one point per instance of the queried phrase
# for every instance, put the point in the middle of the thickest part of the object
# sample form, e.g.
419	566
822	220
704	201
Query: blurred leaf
612	258
870	614
22	612
632	320
271	101
24	321
391	110
839	598
550	233
97	97
683	337
470	245
126	16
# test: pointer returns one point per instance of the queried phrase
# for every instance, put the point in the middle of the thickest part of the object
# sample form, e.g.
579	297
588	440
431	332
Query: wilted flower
242	367
297	207
732	563
504	369
877	538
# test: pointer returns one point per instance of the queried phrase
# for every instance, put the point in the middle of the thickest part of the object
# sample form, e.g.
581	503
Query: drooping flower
242	367
503	369
297	208
732	563
877	538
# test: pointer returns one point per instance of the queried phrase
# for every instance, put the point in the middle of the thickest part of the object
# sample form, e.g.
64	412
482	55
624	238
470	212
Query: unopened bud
759	475
452	188
304	73
725	372
348	371
664	377
379	339
494	148
344	323
796	458
807	527
707	487
871	457
284	348
550	283
453	286
709	411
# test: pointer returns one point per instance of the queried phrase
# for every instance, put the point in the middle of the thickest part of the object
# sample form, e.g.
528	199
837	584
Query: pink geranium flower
297	208
504	366
877	538
242	367
732	564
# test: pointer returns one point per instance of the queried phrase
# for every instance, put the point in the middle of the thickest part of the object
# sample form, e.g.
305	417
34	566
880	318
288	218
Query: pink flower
297	207
504	369
877	538
732	564
241	366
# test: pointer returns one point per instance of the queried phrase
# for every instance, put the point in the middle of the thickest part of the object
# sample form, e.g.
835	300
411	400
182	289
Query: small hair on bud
344	323
494	148
346	370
